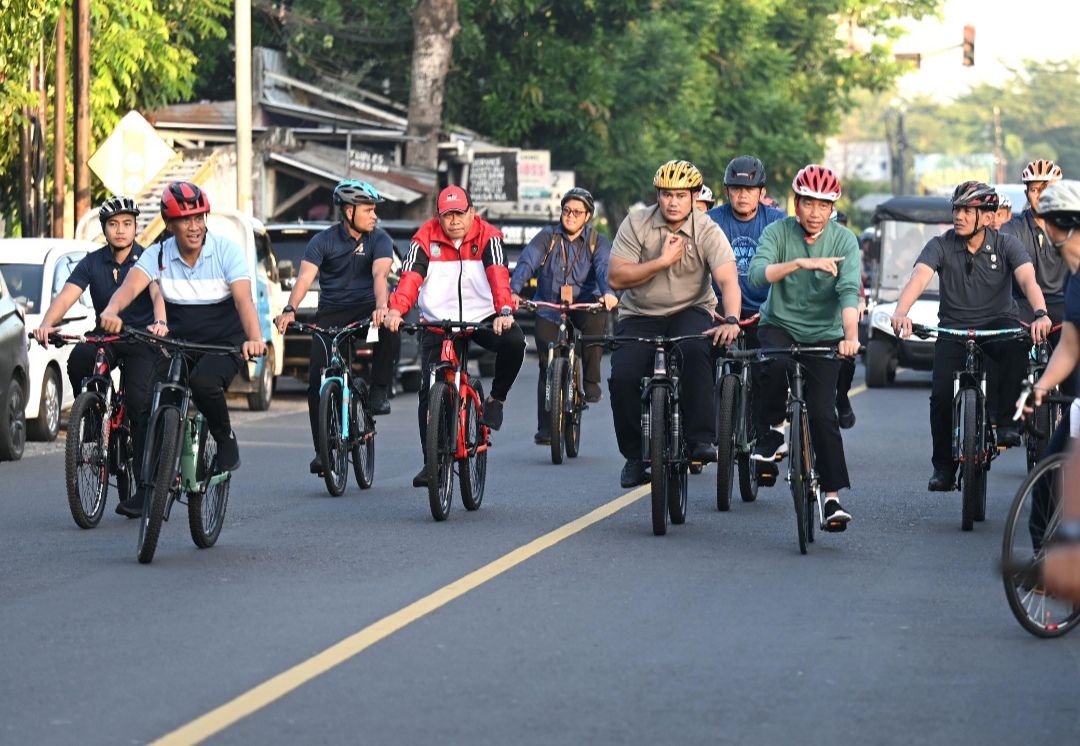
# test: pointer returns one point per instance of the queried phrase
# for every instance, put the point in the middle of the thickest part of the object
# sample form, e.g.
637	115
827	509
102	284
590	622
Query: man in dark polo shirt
352	261
103	271
976	266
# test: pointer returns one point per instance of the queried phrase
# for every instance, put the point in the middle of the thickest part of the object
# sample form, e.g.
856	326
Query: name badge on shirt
435	250
566	293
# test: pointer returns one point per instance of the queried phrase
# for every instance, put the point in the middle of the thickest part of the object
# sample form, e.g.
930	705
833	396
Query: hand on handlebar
502	323
111	322
254	348
158	329
724	334
901	326
518	300
392	320
41	334
283	320
848	348
1040	328
609	301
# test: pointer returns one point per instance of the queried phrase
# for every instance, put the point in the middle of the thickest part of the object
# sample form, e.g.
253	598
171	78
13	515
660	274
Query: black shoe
633	473
542	439
132	508
942	480
379	402
845	414
492	415
836	518
228	453
420	480
1009	437
769	445
703	453
315	467
593	392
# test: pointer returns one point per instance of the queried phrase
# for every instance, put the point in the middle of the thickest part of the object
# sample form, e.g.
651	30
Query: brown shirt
683	285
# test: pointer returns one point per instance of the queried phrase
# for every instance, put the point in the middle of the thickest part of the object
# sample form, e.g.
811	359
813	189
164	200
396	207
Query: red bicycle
455	434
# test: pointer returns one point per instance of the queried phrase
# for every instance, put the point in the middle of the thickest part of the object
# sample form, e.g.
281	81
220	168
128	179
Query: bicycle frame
339	368
454	373
566	344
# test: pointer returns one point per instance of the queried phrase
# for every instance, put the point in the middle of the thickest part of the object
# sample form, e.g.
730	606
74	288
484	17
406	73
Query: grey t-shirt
975	288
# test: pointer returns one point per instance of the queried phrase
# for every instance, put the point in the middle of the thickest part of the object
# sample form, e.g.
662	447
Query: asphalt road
342	620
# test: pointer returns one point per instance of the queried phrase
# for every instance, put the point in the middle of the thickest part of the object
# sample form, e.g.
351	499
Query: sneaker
633	473
132	508
492	416
542	439
844	413
315	467
942	480
420	480
379	402
1009	437
593	392
769	445
228	453
836	518
703	453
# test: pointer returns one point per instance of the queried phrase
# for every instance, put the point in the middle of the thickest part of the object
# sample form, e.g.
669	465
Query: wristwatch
1068	532
731	320
288	309
1041	313
506	311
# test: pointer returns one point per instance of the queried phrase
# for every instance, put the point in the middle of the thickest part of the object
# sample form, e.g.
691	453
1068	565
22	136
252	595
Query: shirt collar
657	221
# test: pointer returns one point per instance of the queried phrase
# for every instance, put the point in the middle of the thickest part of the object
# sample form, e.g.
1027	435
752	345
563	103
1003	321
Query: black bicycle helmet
975	194
745	171
117	206
579	194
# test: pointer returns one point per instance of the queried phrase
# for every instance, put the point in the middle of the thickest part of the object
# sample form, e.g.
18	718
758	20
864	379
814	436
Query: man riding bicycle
352	263
570	262
663	258
103	271
976	266
206	283
456	270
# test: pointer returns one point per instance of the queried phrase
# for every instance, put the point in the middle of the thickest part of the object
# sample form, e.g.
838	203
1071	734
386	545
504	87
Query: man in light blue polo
206	283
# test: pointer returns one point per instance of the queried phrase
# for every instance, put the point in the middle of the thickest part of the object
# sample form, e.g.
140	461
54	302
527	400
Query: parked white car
35	270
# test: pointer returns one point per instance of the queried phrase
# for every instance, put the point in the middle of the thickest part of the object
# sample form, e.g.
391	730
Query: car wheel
46	426
880	363
12	423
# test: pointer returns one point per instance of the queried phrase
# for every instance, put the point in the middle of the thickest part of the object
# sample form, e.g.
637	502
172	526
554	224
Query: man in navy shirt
103	271
352	261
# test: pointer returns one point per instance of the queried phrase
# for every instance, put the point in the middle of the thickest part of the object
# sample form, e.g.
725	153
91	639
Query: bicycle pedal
835	527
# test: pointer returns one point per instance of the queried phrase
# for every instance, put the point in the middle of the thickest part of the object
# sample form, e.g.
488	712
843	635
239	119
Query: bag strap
592	242
550	248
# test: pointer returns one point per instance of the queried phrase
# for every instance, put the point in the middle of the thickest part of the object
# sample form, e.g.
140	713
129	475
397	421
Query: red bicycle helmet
181	199
818	182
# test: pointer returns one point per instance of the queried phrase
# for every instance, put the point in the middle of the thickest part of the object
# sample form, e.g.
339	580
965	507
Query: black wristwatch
1041	313
506	311
1068	532
731	320
288	309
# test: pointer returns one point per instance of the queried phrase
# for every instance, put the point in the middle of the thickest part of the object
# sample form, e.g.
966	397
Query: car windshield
901	244
24	284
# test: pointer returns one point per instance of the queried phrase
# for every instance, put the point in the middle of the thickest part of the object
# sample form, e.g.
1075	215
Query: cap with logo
453	199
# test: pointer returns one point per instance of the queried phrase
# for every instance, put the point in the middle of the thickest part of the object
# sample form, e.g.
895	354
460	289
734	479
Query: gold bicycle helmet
678	175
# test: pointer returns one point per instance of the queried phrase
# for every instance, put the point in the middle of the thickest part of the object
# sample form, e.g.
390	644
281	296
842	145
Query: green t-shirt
807	304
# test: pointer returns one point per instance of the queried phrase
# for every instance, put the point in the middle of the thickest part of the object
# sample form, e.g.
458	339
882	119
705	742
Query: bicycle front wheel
1031	524
797	473
332	450
658	429
970	465
162	443
726	402
363	438
572	399
206	510
556	402
86	460
441	447
1035	445
472	470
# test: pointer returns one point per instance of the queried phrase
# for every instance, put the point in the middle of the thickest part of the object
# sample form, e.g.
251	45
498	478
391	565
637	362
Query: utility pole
60	125
242	13
999	148
82	107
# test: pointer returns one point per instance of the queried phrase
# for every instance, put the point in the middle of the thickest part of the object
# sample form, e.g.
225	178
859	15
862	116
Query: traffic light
969	46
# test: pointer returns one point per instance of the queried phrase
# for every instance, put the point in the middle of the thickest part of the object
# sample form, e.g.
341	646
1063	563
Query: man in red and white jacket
456	270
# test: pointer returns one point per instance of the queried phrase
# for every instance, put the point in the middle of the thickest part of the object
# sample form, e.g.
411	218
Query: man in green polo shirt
811	264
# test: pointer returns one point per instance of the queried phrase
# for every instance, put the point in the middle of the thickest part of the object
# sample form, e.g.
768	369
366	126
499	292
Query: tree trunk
435	24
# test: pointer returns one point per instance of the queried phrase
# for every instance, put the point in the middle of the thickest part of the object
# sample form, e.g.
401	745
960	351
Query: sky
1006	33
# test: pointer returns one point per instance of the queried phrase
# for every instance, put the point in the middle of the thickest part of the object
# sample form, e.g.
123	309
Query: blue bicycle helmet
349	192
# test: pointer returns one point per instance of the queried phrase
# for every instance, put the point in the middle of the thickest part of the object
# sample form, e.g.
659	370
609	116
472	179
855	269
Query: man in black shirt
976	266
103	271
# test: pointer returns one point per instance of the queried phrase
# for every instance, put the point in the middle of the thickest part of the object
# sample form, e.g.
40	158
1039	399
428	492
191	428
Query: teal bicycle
346	425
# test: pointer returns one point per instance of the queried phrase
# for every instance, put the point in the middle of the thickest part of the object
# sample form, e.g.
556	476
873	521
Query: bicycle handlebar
445	325
59	340
1048	398
184	345
743	323
623	339
762	354
922	331
332	331
532	305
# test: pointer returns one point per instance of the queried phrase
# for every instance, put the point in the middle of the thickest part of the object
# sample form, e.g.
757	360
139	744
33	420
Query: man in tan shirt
664	259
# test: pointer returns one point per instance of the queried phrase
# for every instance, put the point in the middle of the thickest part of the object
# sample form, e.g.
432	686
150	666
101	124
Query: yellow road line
860	389
277	687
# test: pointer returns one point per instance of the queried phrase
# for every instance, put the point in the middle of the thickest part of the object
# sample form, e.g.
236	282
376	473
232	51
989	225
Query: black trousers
633	361
208	378
820	376
509	349
547	332
1005	363
137	360
382	361
844	378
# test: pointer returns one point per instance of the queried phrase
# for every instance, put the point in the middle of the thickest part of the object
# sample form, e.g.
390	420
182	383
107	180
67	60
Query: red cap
453	199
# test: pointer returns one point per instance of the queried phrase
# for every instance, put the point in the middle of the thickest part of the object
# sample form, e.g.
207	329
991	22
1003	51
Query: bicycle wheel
86	459
797	473
748	469
162	442
121	458
1035	445
572	402
727	391
677	484
1032	521
206	510
441	445
969	457
658	430
472	470
362	429
332	449
811	489
556	403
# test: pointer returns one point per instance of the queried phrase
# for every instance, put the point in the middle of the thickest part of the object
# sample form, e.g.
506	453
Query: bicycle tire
556	404
86	460
362	428
1032	520
163	441
727	392
441	445
659	483
472	470
809	488
206	510
969	466
573	400
332	450
1035	445
797	472
748	468
122	459
678	477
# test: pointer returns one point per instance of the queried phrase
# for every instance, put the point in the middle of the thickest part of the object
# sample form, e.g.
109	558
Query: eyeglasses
571	212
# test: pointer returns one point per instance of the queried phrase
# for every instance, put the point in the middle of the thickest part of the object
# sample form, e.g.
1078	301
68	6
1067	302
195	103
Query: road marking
861	388
273	689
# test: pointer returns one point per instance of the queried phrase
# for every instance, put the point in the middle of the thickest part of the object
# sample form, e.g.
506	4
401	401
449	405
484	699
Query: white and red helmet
817	182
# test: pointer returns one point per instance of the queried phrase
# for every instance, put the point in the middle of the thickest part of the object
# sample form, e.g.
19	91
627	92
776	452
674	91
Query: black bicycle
1045	418
735	434
974	443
